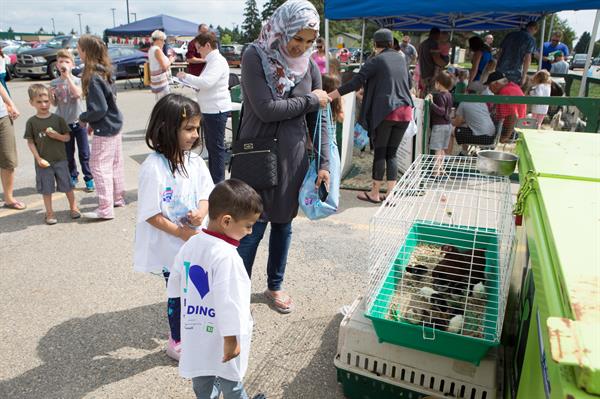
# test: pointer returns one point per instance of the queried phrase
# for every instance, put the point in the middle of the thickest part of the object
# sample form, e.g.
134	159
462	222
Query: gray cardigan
102	113
387	87
264	116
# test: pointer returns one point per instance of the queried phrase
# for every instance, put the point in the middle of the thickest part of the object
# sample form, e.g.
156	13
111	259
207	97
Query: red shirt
194	69
504	110
401	114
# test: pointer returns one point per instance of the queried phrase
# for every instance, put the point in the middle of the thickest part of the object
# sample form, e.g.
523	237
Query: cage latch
429	337
524	191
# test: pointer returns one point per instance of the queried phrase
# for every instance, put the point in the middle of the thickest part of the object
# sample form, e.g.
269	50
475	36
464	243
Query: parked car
41	61
578	61
126	62
180	50
596	61
11	52
232	53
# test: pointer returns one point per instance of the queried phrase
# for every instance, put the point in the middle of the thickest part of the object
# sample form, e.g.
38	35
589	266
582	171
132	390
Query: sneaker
74	181
95	216
89	186
50	220
173	349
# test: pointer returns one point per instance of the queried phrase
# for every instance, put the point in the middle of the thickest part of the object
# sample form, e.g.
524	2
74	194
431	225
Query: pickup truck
41	61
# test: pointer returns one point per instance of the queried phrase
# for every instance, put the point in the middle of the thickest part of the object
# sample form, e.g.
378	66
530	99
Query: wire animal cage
440	259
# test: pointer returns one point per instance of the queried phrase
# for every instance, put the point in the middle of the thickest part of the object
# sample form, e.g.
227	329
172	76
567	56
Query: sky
30	15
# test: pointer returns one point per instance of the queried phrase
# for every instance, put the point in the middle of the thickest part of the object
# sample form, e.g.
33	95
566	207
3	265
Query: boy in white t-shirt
209	277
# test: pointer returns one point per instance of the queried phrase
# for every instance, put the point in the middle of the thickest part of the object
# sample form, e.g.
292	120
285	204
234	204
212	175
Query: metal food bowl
496	163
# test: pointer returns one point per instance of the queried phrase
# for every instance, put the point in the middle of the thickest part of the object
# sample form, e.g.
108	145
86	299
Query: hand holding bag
309	199
255	161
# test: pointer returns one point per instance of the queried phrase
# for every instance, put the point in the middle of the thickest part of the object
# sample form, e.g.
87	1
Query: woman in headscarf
282	93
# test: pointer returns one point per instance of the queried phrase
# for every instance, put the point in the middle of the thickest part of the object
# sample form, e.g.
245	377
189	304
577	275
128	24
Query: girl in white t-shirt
541	88
174	185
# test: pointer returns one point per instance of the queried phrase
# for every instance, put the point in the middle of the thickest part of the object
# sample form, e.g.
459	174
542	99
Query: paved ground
77	322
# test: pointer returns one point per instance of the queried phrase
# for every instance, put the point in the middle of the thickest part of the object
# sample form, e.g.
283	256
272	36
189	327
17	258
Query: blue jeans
209	387
279	245
214	137
79	134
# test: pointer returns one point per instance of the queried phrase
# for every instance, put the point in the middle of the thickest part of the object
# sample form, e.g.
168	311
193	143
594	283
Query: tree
583	43
226	38
41	30
88	31
73	31
10	30
60	33
270	7
252	23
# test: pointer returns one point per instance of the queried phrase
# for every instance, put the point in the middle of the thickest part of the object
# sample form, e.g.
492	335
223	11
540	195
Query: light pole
80	29
53	27
134	16
127	3
113	11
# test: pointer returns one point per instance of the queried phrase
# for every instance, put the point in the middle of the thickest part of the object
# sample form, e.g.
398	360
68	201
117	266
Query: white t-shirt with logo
172	196
209	277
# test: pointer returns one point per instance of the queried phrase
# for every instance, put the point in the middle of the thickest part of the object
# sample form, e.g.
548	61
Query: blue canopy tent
170	25
456	15
465	15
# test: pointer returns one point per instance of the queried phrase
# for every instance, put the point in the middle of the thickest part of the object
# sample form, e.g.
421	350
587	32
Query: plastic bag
308	198
361	136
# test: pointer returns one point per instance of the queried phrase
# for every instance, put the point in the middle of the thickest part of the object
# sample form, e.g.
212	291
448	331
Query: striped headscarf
282	70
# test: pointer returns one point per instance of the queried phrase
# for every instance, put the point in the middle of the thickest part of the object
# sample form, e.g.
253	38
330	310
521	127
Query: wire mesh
440	249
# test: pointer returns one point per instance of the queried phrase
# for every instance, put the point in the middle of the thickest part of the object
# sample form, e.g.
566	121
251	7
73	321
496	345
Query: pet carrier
440	259
368	369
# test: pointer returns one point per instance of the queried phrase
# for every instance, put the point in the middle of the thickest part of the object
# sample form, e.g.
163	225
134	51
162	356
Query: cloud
30	15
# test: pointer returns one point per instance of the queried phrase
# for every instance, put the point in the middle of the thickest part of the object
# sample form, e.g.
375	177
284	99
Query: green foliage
270	7
87	30
559	25
583	43
60	33
226	38
252	23
73	31
10	30
41	30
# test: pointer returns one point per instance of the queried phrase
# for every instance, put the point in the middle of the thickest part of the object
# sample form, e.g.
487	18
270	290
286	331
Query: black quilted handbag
255	161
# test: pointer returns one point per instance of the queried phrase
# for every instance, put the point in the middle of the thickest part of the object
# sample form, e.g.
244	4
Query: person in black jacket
387	108
105	122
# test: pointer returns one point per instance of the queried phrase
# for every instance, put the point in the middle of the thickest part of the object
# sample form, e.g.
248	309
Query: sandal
281	304
50	220
17	205
75	214
365	197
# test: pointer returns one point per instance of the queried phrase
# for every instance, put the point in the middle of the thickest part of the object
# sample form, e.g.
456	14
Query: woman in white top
214	99
159	65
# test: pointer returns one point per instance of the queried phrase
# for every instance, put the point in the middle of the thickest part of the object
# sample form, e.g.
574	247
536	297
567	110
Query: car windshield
178	44
57	43
580	57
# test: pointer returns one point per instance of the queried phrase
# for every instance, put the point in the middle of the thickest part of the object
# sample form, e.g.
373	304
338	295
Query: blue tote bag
309	200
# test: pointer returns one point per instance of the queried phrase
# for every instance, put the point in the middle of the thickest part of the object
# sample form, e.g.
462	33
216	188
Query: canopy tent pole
551	26
588	60
541	55
327	45
362	42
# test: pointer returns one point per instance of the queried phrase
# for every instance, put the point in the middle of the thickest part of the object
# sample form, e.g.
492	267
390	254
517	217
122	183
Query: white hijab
283	71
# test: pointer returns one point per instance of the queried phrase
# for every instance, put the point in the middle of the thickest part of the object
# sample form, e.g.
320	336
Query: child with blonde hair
541	88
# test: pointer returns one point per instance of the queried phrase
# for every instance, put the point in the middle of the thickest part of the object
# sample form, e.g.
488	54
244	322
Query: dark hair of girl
476	43
162	134
331	83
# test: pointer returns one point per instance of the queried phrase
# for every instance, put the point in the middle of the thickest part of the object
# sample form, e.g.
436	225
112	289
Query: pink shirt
403	113
321	61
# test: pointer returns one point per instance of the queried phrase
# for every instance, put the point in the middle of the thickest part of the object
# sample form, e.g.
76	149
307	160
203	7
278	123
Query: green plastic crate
357	386
420	337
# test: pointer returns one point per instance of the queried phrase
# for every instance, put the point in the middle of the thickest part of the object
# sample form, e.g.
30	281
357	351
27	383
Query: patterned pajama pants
106	163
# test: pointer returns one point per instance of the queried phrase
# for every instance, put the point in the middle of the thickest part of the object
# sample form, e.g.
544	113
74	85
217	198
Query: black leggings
388	136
